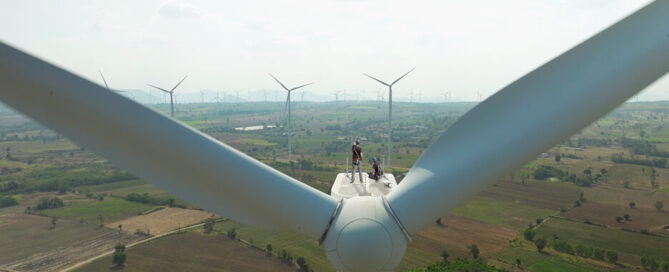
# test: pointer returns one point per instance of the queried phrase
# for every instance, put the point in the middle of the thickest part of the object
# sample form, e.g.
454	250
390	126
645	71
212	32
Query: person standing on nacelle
357	160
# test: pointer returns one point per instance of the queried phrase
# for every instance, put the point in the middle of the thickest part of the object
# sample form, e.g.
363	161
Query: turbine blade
158	88
175	86
301	86
103	80
396	80
283	86
376	79
558	99
181	160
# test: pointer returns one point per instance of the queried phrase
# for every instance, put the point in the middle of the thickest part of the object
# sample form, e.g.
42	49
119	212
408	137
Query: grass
556	265
515	216
111	209
297	244
193	252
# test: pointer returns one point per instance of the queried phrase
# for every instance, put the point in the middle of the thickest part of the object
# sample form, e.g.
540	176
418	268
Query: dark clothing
377	172
357	152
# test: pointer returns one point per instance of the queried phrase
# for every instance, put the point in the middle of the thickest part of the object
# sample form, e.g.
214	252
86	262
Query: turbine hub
364	237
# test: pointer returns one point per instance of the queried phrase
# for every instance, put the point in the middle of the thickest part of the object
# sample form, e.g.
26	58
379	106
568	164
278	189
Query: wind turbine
336	94
390	109
361	233
107	86
171	93
290	150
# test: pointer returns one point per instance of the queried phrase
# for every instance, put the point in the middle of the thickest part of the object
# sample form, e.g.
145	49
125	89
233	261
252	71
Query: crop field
111	209
193	252
161	221
631	246
515	205
605	214
583	184
30	244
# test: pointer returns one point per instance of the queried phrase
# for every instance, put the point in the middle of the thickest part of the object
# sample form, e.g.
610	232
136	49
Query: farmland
575	192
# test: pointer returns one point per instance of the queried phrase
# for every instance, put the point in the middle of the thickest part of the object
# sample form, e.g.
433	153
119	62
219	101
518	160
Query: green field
111	209
631	246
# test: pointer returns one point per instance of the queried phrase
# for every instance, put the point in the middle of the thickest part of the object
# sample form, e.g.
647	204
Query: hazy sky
463	47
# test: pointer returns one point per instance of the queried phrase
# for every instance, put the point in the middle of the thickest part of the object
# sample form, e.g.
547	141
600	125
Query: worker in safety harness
357	159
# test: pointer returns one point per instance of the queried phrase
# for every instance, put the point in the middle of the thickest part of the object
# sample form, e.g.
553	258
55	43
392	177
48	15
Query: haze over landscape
461	47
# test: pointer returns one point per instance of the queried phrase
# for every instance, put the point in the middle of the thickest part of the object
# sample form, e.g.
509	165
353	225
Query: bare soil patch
161	221
459	233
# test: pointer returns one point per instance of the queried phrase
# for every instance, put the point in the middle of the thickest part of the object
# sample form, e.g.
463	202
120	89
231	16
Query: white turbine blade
376	79
535	113
103	80
175	86
183	161
158	88
283	86
301	86
396	80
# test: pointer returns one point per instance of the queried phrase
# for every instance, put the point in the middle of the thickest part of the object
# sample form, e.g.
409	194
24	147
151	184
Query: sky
461	47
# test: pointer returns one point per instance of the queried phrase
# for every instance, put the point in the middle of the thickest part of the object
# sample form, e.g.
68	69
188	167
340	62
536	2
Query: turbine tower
290	151
390	109
171	93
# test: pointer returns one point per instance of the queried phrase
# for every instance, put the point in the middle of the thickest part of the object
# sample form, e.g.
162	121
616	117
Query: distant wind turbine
336	94
290	151
107	86
390	108
171	92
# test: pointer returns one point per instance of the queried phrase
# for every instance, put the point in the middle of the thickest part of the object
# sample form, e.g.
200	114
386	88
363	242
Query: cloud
181	9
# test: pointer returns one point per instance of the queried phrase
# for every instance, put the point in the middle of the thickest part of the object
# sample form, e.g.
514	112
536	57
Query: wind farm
533	177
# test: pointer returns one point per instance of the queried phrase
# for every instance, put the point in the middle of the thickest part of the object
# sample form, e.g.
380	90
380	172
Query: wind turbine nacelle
365	237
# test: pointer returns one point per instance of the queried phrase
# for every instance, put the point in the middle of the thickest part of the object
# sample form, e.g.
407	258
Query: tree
119	255
444	255
474	250
612	256
518	261
529	234
232	233
649	264
632	205
120	227
619	219
269	248
557	157
627	217
540	244
302	265
53	222
209	225
659	205
598	253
